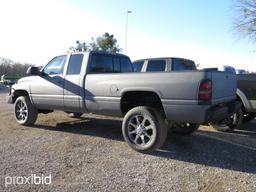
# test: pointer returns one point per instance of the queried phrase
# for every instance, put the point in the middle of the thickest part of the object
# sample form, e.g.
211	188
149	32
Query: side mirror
33	71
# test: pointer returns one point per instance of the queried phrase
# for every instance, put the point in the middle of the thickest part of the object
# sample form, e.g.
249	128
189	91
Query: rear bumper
195	113
218	113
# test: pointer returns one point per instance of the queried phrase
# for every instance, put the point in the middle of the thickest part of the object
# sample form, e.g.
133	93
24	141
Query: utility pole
126	30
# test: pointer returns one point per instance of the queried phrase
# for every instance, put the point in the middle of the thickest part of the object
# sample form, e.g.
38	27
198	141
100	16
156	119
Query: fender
22	86
244	99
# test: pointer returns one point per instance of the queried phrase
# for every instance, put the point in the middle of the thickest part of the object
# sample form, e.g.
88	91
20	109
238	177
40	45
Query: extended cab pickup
104	83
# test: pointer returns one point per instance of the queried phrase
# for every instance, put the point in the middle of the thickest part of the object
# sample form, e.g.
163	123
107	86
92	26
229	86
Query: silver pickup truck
104	83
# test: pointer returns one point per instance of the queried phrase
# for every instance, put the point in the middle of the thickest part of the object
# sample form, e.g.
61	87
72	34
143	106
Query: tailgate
224	86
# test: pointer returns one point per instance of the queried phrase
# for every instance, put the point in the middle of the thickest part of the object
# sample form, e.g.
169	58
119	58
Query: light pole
126	30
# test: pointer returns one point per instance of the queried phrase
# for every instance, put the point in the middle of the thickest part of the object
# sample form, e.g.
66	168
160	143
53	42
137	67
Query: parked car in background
163	64
246	94
241	71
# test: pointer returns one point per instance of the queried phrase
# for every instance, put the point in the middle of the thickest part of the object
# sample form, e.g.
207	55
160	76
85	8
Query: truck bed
178	91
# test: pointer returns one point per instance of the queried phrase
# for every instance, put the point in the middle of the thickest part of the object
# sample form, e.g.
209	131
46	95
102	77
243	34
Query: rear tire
233	122
25	113
144	129
184	128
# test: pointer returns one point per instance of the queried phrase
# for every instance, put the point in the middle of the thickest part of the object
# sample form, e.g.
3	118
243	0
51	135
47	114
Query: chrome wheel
141	130
21	111
25	113
144	129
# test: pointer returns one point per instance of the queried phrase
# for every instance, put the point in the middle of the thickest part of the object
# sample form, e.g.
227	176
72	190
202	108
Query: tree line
9	67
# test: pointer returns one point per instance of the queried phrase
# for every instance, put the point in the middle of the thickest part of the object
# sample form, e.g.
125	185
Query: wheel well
18	93
141	98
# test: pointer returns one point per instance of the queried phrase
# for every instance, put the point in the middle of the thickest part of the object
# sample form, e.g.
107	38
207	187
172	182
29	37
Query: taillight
205	90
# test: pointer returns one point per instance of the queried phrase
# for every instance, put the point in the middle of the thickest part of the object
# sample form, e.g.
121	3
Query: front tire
144	129
231	123
25	113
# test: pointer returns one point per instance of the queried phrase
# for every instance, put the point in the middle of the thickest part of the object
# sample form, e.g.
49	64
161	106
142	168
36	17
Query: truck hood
25	79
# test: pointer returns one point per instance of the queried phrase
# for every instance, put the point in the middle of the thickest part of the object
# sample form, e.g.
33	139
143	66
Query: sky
34	31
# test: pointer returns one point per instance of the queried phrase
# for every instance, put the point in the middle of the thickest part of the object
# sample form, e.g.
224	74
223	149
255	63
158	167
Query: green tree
106	42
80	46
245	23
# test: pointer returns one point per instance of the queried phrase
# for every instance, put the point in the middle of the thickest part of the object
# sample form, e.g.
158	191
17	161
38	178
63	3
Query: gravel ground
89	154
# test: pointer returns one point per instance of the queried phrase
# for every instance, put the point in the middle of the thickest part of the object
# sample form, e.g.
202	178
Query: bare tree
245	23
9	67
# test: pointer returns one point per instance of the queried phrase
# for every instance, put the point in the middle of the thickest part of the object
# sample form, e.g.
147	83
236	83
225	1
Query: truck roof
102	52
162	58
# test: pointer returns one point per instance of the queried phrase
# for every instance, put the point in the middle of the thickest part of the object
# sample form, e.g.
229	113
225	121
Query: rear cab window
107	63
179	64
126	65
156	65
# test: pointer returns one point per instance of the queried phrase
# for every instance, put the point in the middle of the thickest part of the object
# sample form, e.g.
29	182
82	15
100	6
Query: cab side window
55	66
117	65
74	64
126	65
101	63
104	63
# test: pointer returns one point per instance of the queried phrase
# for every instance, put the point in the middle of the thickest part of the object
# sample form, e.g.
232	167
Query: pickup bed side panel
178	92
103	92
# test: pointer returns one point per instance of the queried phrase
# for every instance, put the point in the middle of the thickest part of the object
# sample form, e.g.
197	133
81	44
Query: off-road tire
146	123
25	113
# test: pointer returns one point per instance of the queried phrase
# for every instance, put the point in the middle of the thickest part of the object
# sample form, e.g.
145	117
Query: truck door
73	88
47	89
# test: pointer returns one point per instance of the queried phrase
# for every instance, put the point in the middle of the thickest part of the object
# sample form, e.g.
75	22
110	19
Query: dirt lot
89	154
